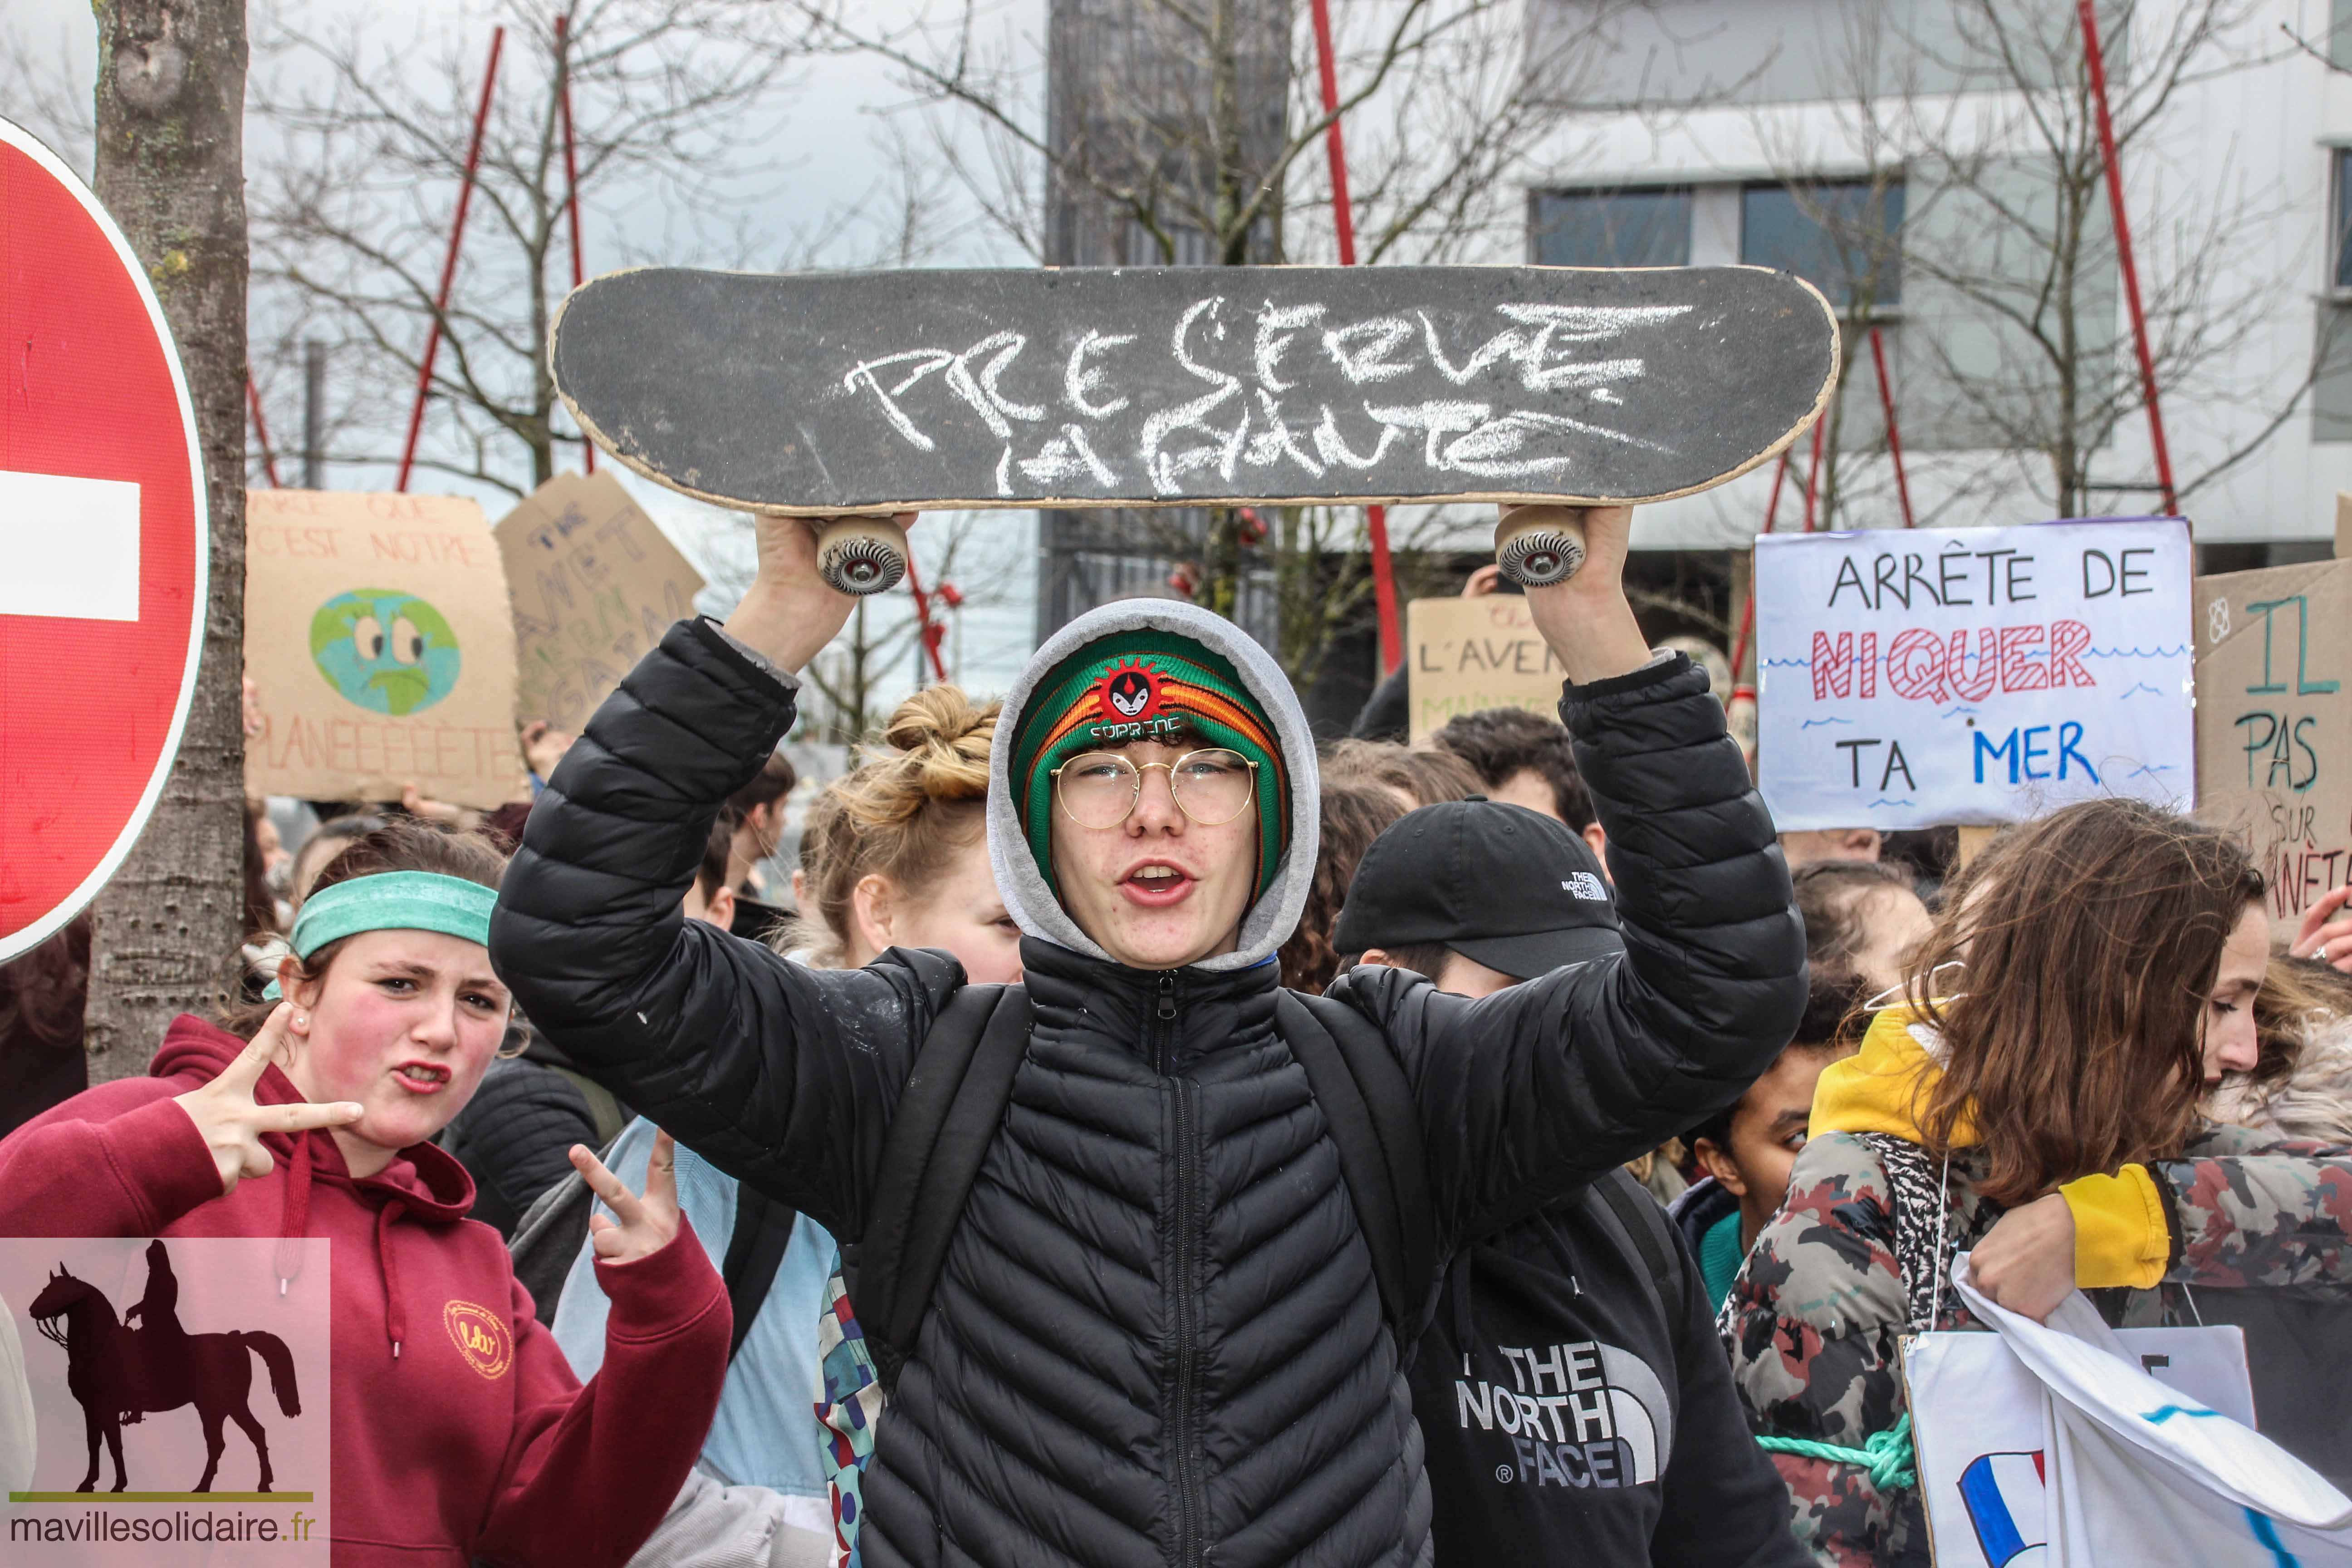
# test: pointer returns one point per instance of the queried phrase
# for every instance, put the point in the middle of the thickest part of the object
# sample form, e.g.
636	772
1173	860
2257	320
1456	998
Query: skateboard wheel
861	555
1541	552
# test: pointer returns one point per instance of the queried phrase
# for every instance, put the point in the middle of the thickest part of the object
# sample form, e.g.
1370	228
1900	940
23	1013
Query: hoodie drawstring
1457	1301
396	1310
1560	1253
294	1225
294	1216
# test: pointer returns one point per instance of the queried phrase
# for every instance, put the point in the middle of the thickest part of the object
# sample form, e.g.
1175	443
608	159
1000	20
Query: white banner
2071	1445
1972	675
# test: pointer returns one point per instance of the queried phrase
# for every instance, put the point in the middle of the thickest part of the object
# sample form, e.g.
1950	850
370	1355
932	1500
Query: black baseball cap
1508	887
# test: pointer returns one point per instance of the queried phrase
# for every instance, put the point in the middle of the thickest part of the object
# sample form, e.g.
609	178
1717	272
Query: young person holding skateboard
1169	1320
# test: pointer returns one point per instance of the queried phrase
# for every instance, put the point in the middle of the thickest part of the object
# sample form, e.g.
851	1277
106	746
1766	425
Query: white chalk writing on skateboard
1295	394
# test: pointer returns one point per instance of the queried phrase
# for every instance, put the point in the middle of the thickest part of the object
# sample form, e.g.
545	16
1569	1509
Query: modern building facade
1932	166
1138	98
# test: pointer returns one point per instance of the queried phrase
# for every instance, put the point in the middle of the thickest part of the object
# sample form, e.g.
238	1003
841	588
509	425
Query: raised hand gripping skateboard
836	395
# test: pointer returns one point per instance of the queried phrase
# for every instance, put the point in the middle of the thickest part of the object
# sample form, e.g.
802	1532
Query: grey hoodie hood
1031	902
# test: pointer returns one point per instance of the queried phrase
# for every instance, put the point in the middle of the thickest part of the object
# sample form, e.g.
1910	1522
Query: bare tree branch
372	117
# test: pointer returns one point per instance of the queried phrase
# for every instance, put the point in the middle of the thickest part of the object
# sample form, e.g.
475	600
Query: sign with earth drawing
378	636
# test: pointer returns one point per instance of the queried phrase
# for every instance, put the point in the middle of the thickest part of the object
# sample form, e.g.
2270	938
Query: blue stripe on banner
2267	1533
2159	1417
1997	1532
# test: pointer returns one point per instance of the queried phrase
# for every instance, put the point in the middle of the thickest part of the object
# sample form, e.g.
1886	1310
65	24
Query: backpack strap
755	1250
1646	1222
550	1235
1376	1123
605	1112
946	1118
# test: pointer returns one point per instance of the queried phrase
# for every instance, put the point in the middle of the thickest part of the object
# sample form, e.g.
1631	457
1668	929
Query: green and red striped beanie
1147	684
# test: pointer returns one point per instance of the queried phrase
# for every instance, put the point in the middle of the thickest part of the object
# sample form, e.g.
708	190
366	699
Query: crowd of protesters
1135	1132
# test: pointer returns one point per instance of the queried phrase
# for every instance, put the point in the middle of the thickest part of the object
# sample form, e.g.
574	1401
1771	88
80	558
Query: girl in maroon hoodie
459	1431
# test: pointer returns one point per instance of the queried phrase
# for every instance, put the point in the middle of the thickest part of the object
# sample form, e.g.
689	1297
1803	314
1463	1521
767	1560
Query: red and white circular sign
102	545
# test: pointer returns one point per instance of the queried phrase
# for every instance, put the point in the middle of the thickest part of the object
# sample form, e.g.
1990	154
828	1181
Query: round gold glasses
1101	789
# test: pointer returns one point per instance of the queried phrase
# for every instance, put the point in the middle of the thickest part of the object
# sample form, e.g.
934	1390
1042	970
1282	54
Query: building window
1613	229
1838	235
2342	272
1144	249
1191	246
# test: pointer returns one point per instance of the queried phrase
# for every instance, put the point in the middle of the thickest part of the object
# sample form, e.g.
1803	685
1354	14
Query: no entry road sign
102	545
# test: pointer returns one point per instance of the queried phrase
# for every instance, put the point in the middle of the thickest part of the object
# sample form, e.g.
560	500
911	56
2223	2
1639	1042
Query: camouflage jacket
1815	1318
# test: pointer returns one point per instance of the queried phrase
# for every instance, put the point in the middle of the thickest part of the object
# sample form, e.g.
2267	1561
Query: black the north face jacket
1156	1338
1578	1407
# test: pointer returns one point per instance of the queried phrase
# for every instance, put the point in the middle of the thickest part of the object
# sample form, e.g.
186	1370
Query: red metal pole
1746	634
261	431
572	179
1813	469
449	261
928	634
1893	436
1748	616
1343	218
2098	70
1342	214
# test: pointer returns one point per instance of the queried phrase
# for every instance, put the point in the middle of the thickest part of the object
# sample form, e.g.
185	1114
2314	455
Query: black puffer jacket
1156	1339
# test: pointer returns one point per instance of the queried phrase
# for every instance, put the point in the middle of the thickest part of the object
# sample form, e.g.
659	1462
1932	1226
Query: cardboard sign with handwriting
378	636
2274	721
1913	677
1473	654
595	585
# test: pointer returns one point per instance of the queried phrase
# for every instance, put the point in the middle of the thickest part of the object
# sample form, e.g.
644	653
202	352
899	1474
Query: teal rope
1887	1456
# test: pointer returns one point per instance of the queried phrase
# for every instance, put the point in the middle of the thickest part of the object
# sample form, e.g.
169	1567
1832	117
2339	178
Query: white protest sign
1972	675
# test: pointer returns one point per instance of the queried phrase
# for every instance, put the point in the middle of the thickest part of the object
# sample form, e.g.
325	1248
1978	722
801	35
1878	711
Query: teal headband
393	901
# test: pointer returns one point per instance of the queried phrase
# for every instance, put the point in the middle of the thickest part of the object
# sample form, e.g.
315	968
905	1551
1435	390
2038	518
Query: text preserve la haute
1288	386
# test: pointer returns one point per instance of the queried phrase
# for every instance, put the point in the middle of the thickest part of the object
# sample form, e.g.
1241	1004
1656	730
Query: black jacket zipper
1184	1284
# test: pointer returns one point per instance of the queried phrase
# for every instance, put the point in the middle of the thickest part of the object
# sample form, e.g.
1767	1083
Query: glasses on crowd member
1101	789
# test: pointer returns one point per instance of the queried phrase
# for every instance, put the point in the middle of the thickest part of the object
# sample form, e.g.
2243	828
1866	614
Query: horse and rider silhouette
119	1374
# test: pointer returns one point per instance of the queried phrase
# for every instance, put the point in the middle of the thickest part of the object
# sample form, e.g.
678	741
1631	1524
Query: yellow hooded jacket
2120	1233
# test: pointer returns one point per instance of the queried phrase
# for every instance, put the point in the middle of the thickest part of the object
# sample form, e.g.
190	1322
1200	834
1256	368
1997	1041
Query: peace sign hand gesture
647	1224
231	1121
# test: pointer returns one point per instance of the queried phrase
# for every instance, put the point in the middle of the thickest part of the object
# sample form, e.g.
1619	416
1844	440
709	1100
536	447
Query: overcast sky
833	152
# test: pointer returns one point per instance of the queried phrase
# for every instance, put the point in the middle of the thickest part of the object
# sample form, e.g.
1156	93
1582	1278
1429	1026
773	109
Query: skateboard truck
1540	545
1536	545
861	555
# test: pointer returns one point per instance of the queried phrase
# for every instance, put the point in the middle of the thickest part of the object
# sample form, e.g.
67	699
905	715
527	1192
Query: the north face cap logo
1586	886
481	1337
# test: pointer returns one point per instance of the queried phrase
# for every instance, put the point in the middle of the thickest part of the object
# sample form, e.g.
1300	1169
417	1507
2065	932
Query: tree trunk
170	169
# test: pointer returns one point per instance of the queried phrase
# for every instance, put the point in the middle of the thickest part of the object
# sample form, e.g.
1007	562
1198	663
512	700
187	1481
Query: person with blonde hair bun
895	853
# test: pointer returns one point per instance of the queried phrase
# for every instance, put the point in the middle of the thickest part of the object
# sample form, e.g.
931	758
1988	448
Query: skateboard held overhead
852	395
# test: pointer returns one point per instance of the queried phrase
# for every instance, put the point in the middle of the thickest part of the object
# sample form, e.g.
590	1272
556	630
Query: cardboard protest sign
1972	675
377	632
595	585
2275	722
1473	654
